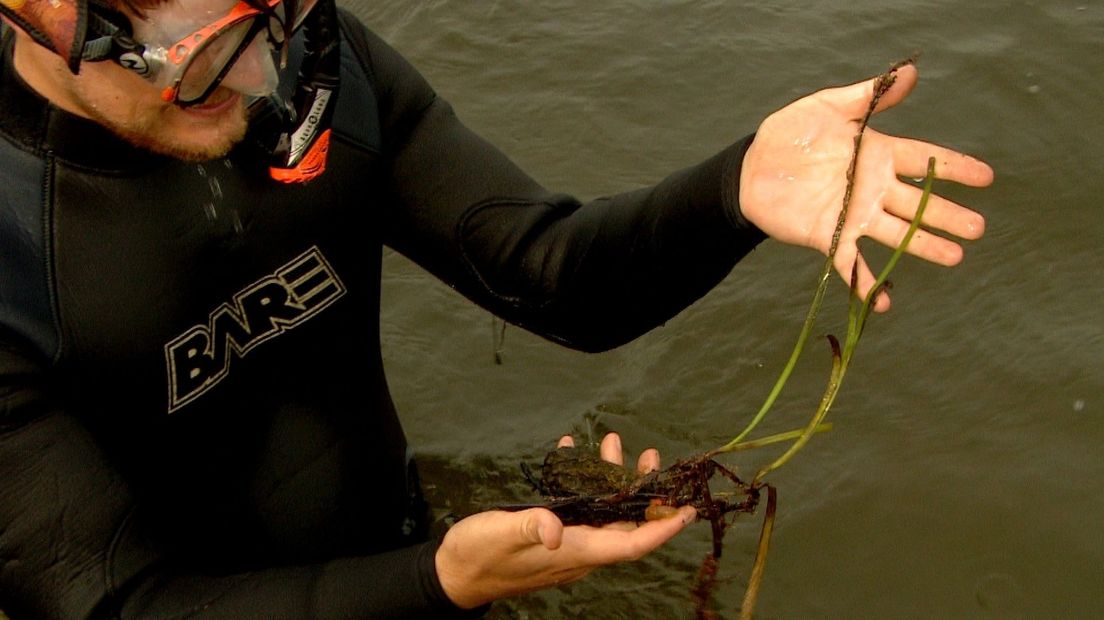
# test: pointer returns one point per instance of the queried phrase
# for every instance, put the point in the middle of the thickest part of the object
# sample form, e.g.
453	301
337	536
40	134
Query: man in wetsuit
193	414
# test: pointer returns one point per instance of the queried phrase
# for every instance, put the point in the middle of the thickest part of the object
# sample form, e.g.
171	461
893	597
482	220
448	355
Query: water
964	477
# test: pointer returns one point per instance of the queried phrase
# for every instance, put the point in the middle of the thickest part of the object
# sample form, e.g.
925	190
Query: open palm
795	174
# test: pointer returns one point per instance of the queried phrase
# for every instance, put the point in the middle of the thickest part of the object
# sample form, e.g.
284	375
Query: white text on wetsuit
200	357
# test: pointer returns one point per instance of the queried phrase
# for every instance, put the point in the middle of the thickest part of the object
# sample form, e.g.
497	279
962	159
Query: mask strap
108	39
58	25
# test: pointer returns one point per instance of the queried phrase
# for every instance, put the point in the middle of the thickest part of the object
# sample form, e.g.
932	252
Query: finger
905	78
624	526
854	99
598	547
903	199
567	441
848	260
648	461
891	231
610	449
568	575
540	526
910	157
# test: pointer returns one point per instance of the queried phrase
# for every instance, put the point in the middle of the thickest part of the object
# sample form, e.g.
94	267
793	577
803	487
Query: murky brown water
964	477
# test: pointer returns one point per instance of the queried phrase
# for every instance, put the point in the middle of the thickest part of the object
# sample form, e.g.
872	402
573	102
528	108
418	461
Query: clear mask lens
209	61
190	47
237	53
254	72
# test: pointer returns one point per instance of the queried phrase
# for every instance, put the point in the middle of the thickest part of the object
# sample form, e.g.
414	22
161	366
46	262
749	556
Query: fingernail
616	442
689	514
656	512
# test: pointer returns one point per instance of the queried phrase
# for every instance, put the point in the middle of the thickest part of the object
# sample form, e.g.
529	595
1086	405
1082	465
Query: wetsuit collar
35	124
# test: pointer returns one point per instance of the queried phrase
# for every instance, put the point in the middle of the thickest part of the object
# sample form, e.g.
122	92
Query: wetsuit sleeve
591	276
73	543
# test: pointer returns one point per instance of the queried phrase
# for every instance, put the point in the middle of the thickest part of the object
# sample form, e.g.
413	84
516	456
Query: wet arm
592	275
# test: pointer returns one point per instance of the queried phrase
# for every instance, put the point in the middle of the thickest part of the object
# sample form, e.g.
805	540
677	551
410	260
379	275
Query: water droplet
804	143
201	170
209	209
238	228
216	188
1079	405
1034	89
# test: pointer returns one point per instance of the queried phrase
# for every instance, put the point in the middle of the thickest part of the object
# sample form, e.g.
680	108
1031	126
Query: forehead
141	7
136	6
174	18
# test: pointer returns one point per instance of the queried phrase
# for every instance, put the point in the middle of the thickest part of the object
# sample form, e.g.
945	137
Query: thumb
541	526
854	99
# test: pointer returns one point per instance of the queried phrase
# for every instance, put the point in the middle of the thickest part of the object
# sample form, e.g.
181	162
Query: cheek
114	93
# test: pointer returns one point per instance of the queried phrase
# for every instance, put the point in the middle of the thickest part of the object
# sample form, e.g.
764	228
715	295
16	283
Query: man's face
131	107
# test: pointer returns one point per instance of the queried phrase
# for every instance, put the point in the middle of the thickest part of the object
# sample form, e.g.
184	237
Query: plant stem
881	85
768	440
841	361
751	595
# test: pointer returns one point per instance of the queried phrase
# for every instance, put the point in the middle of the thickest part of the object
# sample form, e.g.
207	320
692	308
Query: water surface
964	476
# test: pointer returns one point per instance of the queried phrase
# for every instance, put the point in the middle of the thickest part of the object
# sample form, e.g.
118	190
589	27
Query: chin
194	138
196	153
188	150
134	111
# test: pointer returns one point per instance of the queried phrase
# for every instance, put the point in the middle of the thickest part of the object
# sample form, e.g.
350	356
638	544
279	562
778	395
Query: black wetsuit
193	412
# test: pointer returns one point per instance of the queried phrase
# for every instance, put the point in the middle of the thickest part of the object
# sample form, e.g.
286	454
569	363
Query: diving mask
188	52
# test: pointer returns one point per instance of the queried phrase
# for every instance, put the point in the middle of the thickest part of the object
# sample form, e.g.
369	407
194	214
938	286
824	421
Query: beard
131	108
167	129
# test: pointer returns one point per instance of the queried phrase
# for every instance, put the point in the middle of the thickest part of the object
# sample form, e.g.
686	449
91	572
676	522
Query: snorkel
304	141
189	69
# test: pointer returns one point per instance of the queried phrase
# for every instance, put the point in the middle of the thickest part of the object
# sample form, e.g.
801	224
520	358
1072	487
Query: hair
136	7
139	7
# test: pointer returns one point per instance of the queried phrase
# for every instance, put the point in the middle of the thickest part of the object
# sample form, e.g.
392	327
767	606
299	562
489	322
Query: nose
254	72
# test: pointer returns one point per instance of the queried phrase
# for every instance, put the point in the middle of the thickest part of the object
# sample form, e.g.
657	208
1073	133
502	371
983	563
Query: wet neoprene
193	412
